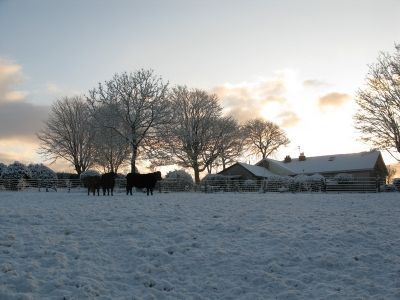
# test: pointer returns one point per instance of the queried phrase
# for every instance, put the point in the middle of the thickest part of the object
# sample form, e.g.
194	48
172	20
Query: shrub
274	183
215	182
40	171
317	182
178	180
344	178
250	185
43	176
396	183
2	168
300	183
14	175
388	188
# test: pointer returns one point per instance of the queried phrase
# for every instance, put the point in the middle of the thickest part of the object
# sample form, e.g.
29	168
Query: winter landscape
199	246
268	132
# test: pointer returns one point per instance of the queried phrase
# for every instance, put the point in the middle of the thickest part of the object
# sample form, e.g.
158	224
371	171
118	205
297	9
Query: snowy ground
199	246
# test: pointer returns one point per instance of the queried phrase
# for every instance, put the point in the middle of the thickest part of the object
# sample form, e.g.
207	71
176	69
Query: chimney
302	157
287	159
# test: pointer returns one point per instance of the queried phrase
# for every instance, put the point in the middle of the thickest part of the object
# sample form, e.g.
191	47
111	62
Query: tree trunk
196	174
78	169
133	159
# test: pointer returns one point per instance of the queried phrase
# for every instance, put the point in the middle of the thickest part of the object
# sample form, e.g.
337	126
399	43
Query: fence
364	185
49	185
358	185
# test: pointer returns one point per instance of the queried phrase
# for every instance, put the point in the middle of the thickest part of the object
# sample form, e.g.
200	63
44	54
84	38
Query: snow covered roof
331	163
257	170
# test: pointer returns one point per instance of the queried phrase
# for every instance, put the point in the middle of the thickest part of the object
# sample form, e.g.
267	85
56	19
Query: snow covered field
199	246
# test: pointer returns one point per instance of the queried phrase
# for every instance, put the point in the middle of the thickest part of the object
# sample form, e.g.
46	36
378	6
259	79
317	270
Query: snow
199	246
257	170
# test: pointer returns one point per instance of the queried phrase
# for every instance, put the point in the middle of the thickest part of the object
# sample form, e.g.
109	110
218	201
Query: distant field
199	246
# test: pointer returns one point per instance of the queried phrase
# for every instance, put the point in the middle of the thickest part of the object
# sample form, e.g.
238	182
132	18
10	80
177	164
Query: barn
245	171
368	164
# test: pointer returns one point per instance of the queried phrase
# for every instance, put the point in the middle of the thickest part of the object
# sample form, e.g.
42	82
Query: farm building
359	165
246	171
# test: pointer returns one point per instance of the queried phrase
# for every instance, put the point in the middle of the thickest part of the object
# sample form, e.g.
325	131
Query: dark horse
147	181
107	182
92	183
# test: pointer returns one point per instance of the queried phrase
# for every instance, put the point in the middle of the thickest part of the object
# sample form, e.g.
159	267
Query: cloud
265	98
53	88
272	90
248	100
10	75
21	119
18	118
25	151
8	158
17	149
288	119
15	96
314	83
333	99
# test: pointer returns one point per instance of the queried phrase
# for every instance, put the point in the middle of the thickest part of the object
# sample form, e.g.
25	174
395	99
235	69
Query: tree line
137	116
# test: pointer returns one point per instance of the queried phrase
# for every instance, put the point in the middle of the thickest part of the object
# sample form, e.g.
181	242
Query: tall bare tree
378	114
193	140
264	137
230	145
68	133
138	107
111	150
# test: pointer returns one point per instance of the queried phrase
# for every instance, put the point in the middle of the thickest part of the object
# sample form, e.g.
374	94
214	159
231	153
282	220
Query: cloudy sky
296	63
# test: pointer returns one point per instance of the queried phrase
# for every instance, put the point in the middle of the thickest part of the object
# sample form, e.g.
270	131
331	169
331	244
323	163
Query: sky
296	63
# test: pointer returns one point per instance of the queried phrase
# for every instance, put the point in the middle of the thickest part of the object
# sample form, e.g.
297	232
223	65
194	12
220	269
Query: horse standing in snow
107	182
92	183
147	181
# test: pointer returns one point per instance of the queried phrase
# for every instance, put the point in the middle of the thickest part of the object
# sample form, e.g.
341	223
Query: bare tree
378	114
137	107
391	173
263	137
230	145
111	150
68	133
193	140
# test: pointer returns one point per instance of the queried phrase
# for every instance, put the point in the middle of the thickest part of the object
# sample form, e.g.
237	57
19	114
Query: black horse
147	181
92	183
107	182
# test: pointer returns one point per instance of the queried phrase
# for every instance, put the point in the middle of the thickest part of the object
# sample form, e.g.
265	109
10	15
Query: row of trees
136	116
